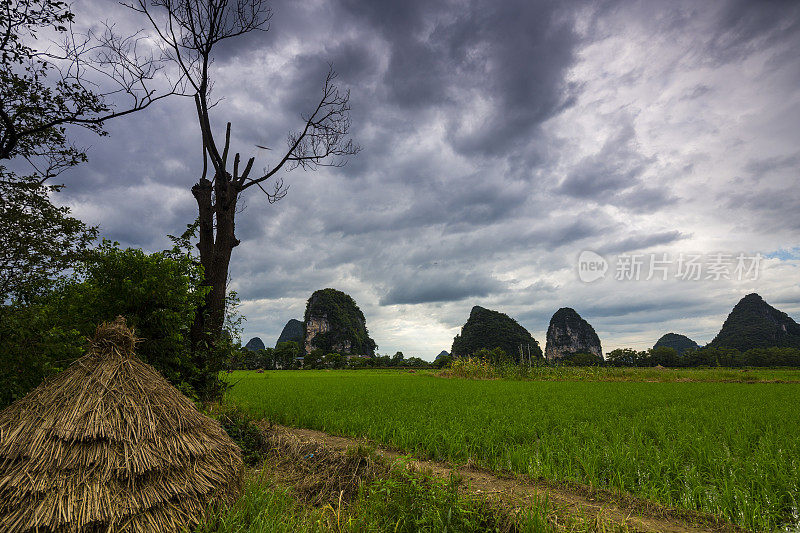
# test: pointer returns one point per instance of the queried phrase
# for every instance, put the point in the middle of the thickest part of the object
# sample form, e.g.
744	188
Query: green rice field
730	449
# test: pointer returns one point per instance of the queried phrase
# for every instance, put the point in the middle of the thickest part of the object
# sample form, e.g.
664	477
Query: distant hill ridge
293	331
569	334
334	323
753	323
254	344
491	329
679	343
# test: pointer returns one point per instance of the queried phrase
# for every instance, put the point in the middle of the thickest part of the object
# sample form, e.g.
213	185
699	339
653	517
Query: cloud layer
500	139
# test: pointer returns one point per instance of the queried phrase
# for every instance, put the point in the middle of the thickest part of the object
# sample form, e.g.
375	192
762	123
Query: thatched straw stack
109	445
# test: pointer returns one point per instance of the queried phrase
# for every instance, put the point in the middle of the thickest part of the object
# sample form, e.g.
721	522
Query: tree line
289	356
709	356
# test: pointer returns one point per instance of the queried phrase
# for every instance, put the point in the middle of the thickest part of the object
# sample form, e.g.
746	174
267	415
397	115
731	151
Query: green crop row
730	449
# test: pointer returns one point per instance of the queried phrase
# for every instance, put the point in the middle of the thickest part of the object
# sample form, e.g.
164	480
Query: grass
403	501
730	449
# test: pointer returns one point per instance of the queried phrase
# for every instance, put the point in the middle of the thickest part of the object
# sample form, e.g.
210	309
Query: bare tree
189	30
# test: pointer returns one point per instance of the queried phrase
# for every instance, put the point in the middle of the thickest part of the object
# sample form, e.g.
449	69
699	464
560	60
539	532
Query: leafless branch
323	140
188	31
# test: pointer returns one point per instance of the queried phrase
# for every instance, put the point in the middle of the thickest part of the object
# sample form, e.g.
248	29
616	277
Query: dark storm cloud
767	208
698	91
767	197
645	198
512	55
468	186
459	204
613	174
622	309
564	233
743	26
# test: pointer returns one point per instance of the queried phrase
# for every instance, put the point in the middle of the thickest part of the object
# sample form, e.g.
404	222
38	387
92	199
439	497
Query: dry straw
110	445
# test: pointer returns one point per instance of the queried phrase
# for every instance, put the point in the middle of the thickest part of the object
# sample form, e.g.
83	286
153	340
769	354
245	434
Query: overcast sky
500	140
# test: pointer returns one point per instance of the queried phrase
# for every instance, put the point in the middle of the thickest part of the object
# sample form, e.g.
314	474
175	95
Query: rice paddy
729	449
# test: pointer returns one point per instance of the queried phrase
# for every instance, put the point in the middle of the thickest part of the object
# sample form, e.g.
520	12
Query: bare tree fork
188	31
84	80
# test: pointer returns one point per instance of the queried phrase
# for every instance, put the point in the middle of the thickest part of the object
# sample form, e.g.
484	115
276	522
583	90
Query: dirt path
569	503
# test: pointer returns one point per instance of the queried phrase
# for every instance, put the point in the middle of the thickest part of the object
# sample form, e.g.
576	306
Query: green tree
34	343
286	354
42	93
495	356
267	358
335	360
625	357
314	359
442	361
38	240
157	293
663	355
398	359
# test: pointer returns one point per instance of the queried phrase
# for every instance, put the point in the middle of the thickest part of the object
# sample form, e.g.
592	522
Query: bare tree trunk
215	201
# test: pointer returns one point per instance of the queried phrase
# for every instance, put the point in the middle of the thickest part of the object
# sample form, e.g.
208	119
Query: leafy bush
314	359
442	362
334	360
286	354
35	344
244	359
157	294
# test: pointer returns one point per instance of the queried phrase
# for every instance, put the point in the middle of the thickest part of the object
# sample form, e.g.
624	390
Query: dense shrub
314	359
407	501
34	344
471	367
442	361
157	294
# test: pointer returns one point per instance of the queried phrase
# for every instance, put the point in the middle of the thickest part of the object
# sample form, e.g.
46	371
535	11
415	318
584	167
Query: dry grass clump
318	475
108	444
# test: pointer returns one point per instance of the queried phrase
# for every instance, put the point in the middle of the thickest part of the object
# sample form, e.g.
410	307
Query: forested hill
334	322
679	343
491	329
753	323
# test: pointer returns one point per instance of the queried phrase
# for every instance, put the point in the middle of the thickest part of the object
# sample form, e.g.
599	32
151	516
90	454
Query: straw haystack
109	445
